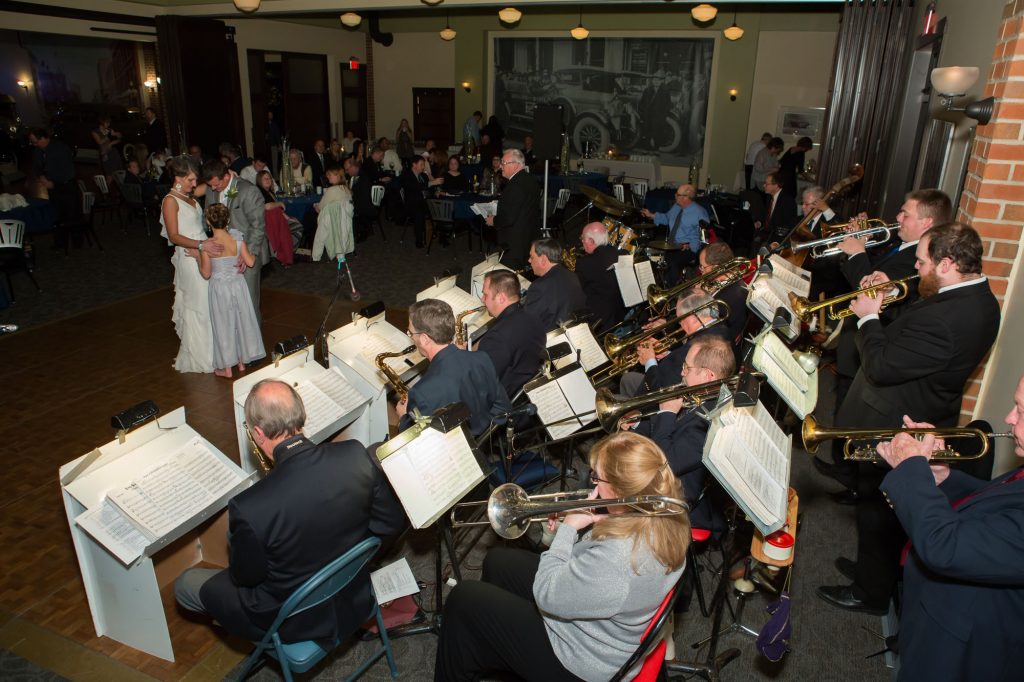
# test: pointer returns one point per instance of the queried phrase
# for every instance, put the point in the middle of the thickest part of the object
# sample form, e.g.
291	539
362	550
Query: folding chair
442	216
12	252
377	198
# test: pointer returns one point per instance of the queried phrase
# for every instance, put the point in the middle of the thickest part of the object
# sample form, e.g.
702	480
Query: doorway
293	87
434	115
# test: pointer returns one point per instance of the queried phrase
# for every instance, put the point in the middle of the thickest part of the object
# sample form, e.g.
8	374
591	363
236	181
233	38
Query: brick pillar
371	109
993	197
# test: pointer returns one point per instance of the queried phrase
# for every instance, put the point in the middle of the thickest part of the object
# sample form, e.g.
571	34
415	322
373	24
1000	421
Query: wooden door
306	105
354	116
434	115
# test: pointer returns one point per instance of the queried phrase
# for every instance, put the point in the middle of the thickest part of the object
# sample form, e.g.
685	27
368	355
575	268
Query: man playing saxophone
596	272
454	375
963	594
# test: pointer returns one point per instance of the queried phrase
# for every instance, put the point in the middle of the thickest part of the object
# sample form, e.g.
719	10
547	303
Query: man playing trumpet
963	587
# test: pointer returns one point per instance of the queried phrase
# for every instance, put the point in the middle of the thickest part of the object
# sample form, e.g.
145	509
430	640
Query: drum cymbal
664	246
644	227
608	204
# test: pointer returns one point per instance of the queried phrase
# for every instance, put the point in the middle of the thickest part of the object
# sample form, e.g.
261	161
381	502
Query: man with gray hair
556	293
683	220
518	218
316	503
596	272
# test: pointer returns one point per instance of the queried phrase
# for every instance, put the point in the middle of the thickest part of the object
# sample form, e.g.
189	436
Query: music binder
750	456
565	400
445	290
358	343
491	262
794	385
634	278
581	339
769	291
430	469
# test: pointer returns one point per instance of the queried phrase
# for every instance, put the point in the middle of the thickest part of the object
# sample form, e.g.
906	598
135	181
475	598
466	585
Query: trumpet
611	411
265	463
401	389
461	333
813	435
733	271
824	247
805	308
510	511
623	353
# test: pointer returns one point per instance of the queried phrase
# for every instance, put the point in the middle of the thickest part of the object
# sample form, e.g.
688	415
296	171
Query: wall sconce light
23	84
150	85
510	15
732	94
351	19
703	13
247	5
952	82
467	86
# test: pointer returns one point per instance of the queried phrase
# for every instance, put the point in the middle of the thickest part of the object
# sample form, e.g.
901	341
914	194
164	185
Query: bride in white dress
182	221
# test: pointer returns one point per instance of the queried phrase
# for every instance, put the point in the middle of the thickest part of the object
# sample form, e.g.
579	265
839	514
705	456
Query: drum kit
633	238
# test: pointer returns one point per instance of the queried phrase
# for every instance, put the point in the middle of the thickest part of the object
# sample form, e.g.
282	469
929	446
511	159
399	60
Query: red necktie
771	207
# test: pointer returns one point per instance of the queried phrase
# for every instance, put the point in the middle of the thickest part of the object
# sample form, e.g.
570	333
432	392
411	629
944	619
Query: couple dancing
182	219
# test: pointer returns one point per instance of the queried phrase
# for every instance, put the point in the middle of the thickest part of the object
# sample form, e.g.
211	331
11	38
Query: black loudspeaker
547	131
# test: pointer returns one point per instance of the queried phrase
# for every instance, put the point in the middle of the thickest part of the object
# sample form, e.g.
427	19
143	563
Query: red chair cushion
699	534
652	664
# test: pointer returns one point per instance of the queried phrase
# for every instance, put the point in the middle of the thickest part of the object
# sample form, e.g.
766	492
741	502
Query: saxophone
401	390
461	332
569	258
264	462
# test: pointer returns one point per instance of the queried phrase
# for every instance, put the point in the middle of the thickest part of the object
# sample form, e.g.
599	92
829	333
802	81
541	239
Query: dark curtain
868	78
201	91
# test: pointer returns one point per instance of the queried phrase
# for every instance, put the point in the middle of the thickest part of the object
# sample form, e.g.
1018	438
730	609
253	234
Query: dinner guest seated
454	180
279	228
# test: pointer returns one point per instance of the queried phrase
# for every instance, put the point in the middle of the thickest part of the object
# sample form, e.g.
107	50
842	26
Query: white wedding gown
191	310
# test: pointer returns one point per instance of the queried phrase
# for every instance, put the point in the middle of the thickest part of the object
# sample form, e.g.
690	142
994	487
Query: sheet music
765	296
110	528
581	395
334	384
798	388
393	581
629	285
790	276
750	455
582	339
176	489
431	473
327	398
375	344
644	276
553	408
483	210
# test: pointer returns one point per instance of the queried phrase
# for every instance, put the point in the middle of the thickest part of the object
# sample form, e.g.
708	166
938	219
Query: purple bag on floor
773	640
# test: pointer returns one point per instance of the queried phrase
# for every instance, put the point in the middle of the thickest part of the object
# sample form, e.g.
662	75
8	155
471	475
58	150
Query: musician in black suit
595	269
921	210
664	369
518	220
825	275
681	434
515	341
917	366
963	596
318	502
735	295
556	293
414	190
779	212
454	375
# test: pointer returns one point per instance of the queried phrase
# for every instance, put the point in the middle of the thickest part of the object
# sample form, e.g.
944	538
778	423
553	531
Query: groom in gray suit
245	202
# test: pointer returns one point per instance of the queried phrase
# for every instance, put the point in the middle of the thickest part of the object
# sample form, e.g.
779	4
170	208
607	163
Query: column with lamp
952	82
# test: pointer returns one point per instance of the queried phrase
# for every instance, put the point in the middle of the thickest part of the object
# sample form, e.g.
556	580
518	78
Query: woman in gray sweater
577	611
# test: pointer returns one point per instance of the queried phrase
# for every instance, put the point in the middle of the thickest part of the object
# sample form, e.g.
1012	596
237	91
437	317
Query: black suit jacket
457	375
596	275
518	220
735	295
918	365
896	265
782	218
317	503
515	344
554	297
963	587
669	370
362	199
155	137
316	168
413	187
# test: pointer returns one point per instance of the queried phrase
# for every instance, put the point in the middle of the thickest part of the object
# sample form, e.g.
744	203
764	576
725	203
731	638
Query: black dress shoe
844	597
845	497
848	567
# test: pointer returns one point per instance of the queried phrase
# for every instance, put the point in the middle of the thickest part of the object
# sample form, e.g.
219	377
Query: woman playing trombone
578	610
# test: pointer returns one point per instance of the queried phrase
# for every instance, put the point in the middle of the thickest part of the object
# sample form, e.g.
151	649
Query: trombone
854	450
611	411
510	511
805	309
733	271
824	247
623	353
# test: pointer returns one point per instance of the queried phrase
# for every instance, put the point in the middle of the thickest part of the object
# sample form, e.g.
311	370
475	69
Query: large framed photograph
801	121
638	95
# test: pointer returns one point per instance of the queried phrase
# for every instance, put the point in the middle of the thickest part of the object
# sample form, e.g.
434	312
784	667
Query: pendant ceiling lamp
734	32
447	33
351	19
580	32
704	12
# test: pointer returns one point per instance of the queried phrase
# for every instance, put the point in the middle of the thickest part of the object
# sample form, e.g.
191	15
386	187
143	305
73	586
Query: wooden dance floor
62	383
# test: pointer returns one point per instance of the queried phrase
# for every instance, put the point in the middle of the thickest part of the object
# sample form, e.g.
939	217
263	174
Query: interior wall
18	66
414	60
263	34
775	86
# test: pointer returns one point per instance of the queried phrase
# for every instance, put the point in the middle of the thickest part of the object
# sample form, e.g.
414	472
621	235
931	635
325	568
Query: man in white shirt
253	169
391	162
748	160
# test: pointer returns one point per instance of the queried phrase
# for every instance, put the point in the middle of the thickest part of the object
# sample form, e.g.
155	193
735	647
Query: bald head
274	411
685	195
593	235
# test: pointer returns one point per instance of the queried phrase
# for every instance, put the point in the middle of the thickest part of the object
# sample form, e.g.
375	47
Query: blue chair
327	582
